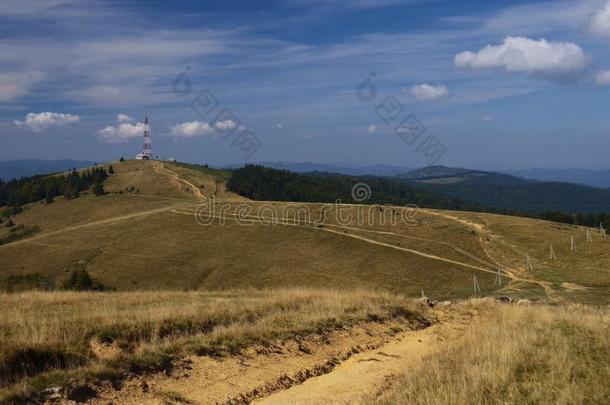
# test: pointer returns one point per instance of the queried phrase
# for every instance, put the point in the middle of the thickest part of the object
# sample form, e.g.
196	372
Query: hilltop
155	228
211	283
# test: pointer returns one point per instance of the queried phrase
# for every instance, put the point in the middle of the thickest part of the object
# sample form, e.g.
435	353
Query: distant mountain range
14	169
509	193
339	168
453	175
595	178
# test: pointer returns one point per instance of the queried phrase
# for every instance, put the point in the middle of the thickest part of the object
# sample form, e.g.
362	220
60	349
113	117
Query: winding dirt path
365	375
90	224
176	179
159	167
343	366
324	228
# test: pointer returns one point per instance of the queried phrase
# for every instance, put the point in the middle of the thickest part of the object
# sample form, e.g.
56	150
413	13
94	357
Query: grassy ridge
518	355
48	339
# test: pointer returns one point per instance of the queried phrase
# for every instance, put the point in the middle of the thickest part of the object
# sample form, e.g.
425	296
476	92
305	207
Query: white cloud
15	84
603	78
226	125
372	129
599	22
124	118
280	126
39	122
488	118
519	54
192	129
121	133
426	92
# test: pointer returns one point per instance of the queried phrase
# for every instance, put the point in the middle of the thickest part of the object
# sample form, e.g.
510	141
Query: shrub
98	188
18	232
81	280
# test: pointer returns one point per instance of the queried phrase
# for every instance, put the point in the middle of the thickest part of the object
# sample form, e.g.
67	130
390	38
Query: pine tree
49	197
98	188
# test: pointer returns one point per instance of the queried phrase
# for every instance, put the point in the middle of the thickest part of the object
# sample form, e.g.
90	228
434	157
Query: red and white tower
146	153
147	150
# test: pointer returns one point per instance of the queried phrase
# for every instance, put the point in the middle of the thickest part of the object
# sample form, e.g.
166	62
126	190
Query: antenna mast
147	148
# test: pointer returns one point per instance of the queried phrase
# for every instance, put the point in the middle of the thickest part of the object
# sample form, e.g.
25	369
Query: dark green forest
527	197
263	183
585	205
16	193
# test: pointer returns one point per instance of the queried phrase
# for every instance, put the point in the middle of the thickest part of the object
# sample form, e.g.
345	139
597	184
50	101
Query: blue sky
499	84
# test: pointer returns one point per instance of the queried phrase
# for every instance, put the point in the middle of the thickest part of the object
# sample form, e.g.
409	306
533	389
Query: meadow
535	354
73	338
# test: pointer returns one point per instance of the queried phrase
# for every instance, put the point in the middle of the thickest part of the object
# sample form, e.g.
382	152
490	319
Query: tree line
264	183
18	192
591	220
270	184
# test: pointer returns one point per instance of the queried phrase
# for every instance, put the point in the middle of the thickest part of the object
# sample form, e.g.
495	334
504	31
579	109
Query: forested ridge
529	197
264	183
16	193
269	184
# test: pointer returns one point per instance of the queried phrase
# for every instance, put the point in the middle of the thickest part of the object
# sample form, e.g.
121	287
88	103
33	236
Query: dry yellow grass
150	239
57	336
165	247
518	355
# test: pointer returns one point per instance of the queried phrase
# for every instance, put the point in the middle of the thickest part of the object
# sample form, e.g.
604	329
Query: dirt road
176	180
89	224
343	366
366	374
290	222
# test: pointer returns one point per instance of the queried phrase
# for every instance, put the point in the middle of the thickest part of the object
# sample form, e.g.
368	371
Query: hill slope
174	226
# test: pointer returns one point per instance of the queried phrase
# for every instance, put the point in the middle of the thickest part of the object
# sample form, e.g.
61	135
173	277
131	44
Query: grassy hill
113	336
163	225
209	281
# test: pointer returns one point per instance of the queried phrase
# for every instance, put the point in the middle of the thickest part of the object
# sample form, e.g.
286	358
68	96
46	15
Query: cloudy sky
498	84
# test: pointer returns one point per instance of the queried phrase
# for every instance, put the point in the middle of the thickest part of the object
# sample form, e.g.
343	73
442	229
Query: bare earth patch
259	371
